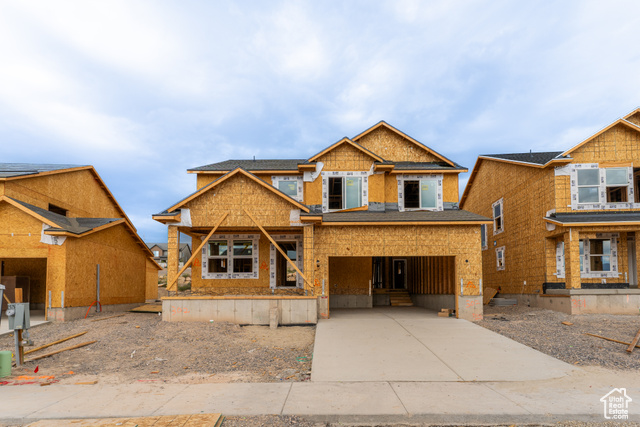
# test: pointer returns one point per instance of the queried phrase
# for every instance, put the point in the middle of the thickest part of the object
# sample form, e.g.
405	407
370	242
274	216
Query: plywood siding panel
346	158
234	195
151	280
350	275
78	192
527	193
123	268
391	146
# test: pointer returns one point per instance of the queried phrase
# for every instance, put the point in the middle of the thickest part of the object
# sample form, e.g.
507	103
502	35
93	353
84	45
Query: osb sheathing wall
203	179
391	146
78	192
233	196
123	268
527	195
617	145
346	158
259	286
461	242
349	276
635	119
151	288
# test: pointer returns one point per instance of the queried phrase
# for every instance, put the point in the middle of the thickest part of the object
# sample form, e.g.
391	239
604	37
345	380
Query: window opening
617	180
286	274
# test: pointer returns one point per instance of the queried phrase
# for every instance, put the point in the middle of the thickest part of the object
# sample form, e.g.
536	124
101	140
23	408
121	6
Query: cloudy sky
144	90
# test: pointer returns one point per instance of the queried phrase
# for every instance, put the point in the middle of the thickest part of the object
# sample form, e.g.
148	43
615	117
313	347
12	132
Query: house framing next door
633	268
399	274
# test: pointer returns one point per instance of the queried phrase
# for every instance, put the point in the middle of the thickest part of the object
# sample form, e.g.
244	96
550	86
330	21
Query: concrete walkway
36	318
414	344
573	397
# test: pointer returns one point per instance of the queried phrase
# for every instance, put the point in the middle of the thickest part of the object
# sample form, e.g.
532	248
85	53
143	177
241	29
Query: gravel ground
543	330
141	347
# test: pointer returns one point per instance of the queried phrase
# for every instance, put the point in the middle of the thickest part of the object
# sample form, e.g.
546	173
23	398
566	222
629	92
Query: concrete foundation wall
584	301
73	313
434	302
381	299
350	301
243	311
470	308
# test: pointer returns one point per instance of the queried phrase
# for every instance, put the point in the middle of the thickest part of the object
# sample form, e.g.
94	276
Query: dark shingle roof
446	215
165	246
72	225
252	165
595	217
425	165
538	158
8	170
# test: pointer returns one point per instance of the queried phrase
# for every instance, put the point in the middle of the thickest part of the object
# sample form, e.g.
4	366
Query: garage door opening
426	281
28	274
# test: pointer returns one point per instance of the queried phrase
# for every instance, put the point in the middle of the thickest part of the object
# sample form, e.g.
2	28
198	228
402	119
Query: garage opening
28	274
426	281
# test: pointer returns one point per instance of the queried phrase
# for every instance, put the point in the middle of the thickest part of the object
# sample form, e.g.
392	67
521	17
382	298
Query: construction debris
488	294
55	342
445	312
500	302
42	356
567	323
108	317
610	339
634	342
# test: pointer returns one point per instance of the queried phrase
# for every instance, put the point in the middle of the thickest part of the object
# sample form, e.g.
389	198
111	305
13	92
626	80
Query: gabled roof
165	246
9	170
343	141
252	165
637	110
427	166
623	122
386	125
225	177
15	171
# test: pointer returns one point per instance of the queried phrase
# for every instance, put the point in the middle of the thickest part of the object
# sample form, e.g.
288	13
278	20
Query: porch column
173	255
572	259
309	265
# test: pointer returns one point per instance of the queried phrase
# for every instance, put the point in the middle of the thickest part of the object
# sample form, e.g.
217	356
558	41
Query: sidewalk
573	397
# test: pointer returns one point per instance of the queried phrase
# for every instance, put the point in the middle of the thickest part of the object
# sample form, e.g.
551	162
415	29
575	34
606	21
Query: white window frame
277	179
364	192
500	203
426	177
585	271
297	238
560	264
500	255
255	238
602	188
484	238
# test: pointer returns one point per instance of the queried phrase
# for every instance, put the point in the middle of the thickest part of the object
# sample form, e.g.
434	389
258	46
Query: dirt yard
140	347
543	330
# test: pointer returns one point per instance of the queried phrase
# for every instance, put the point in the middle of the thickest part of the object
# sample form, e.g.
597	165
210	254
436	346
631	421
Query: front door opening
285	273
399	274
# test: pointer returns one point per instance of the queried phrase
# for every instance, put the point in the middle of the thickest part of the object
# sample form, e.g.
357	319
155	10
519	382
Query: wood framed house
356	225
565	224
58	223
160	252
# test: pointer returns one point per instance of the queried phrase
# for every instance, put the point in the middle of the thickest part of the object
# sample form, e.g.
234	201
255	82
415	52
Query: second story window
498	217
593	187
344	190
292	186
420	192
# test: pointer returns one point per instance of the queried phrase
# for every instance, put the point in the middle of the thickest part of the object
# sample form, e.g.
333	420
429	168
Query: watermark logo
616	404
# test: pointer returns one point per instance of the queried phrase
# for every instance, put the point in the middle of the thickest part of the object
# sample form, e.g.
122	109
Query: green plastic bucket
5	364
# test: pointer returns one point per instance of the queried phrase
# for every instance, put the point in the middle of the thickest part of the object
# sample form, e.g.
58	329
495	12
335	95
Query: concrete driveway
414	344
